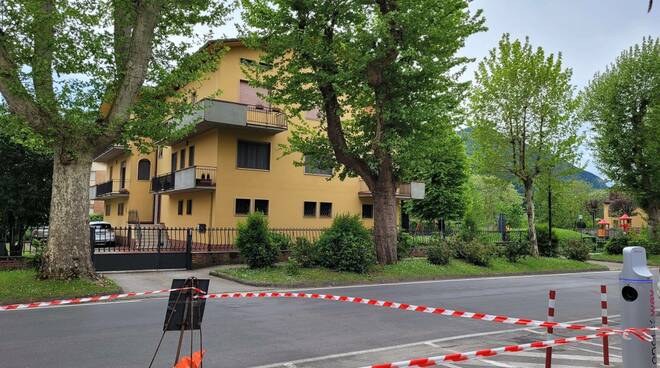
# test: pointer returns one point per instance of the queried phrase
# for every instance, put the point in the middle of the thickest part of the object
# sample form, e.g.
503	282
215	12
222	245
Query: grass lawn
651	259
566	234
19	286
406	270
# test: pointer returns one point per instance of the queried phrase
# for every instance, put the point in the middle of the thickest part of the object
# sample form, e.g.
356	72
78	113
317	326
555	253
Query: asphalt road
248	333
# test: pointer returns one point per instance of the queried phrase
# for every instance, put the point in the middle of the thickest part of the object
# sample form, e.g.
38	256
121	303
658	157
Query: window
183	159
310	209
252	96
367	211
191	156
144	169
253	155
325	209
120	209
180	207
108	209
261	205
189	207
242	206
160	152
310	168
174	155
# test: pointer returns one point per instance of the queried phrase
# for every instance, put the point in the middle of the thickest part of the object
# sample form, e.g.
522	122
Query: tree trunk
68	253
653	213
531	229
385	215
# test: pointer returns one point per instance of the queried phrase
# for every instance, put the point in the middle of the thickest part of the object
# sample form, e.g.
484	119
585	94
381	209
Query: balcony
412	190
190	179
109	189
110	153
214	113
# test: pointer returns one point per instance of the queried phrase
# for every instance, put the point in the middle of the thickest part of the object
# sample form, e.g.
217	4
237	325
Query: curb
369	282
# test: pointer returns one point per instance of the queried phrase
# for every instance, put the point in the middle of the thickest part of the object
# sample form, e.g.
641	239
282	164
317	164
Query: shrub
304	253
577	250
95	217
40	249
292	267
547	249
280	241
642	240
254	242
477	253
346	245
468	229
439	252
616	244
405	244
514	250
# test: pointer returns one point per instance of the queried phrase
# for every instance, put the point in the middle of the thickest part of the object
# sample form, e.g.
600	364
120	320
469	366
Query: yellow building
637	219
231	165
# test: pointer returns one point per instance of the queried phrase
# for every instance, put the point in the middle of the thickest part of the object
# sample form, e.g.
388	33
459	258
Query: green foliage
477	253
488	196
39	247
405	244
623	103
346	245
547	249
304	253
254	242
643	240
569	200
95	217
577	250
514	250
440	163
616	244
439	252
292	267
280	241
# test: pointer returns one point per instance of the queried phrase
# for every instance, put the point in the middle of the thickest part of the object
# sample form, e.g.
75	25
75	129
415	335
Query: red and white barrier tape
415	308
459	357
90	299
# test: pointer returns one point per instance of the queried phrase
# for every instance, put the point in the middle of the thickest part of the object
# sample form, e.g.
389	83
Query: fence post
92	240
189	236
129	236
604	322
551	318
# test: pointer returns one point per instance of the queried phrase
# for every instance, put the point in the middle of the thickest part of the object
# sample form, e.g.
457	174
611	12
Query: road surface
308	333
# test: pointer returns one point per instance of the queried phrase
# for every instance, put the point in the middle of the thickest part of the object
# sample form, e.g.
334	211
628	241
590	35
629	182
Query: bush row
616	243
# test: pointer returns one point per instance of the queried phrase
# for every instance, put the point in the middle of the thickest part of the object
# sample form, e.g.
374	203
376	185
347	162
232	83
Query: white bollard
636	282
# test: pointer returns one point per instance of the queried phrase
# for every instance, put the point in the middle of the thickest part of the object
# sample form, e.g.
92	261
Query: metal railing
162	183
115	186
262	115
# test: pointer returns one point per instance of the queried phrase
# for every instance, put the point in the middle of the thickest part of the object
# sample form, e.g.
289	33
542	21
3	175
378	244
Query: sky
590	34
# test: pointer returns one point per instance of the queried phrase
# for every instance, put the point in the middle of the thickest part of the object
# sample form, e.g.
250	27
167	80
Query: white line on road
434	341
588	358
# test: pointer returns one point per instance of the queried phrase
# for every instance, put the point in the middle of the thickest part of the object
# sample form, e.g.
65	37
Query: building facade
637	218
231	164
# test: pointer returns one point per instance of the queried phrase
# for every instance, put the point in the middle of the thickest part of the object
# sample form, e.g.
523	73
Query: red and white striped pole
604	323
551	318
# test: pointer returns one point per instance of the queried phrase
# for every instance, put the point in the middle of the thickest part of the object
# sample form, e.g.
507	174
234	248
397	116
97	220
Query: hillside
580	174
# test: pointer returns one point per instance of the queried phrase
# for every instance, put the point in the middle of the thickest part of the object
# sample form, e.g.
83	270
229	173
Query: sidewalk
157	280
613	266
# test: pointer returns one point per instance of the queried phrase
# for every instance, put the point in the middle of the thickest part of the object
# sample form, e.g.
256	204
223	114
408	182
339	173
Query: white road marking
541	354
435	341
432	344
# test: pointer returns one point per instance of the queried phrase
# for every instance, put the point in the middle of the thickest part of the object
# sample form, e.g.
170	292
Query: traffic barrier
604	323
424	309
90	299
459	357
551	318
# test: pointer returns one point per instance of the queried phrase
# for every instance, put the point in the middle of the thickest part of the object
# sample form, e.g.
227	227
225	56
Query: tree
487	197
624	105
621	203
522	109
376	71
439	162
25	179
82	75
568	199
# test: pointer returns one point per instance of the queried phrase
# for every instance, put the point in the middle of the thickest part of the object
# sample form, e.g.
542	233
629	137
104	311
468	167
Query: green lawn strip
651	259
414	269
20	286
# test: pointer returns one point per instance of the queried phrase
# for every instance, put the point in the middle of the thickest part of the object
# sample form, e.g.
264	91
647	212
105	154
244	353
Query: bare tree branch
136	65
18	99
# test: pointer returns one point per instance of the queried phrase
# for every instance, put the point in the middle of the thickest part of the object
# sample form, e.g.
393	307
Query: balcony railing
188	179
412	190
109	189
261	115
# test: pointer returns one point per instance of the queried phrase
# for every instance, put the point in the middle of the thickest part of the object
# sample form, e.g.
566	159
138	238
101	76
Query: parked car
104	236
40	233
